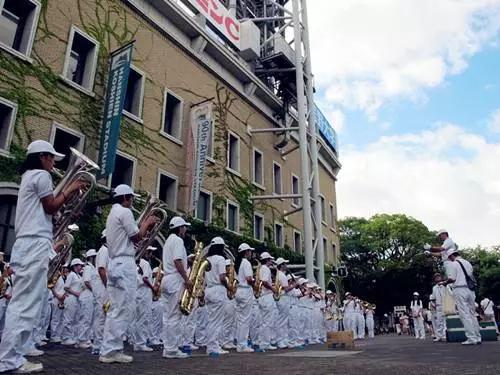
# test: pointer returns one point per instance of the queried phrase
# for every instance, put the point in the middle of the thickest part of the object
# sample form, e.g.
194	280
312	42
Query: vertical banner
200	134
119	68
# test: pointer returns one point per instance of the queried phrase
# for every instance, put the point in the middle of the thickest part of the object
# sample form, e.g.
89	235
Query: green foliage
486	265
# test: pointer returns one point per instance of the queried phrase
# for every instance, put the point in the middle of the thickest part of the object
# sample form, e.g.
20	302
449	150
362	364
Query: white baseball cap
152	248
451	252
302	281
44	146
90	253
416	294
431	297
103	233
266	255
228	262
76	262
73	227
280	261
289	277
244	247
123	190
177	222
217	241
156	270
191	256
329	292
441	231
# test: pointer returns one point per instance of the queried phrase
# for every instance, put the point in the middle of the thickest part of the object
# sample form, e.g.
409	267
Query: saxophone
158	279
197	278
232	282
257	288
278	287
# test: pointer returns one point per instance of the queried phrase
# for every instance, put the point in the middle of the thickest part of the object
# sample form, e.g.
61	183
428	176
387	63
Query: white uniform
172	286
30	261
122	278
416	307
370	324
349	317
294	321
439	320
447	245
57	312
74	282
142	329
283	306
101	297
267	308
215	298
359	320
244	302
465	298
156	319
87	304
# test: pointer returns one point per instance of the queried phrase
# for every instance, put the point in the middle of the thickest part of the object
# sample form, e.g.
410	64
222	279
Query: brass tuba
79	168
197	278
57	263
156	208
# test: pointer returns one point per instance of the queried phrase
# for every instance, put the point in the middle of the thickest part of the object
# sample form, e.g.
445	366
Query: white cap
2	253
302	281
347	293
90	253
191	255
266	255
177	222
289	277
431	297
310	285
152	248
280	261
451	252
66	265
244	247
441	231
123	190
76	262
217	241
103	233
416	294
73	227
44	146
156	270
228	262
329	292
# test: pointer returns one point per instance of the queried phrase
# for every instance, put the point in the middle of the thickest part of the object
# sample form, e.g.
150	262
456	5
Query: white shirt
244	272
120	226
265	275
438	292
173	250
31	219
416	307
102	258
487	306
59	287
218	267
282	279
448	244
91	276
456	273
349	306
74	282
146	272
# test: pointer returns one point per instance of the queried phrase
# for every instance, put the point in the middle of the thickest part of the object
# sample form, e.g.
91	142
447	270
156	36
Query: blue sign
324	129
113	107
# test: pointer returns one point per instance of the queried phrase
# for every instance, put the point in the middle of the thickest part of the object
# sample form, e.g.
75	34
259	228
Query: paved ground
383	355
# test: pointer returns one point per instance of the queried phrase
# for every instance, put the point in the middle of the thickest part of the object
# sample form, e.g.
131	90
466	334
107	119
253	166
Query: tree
486	263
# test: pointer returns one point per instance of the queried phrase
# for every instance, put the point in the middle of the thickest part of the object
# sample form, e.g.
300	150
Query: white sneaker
118	358
55	340
156	342
271	347
29	368
175	355
34	353
469	342
68	342
41	343
142	348
83	345
282	346
194	347
222	351
245	350
229	346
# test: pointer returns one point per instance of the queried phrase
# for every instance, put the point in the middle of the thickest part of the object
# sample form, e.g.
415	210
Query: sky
413	89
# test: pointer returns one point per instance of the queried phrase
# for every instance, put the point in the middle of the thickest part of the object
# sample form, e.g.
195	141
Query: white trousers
255	322
189	327
439	323
350	324
86	317
216	299
201	326
56	319
360	325
122	288
156	320
465	300
244	303
41	328
172	316
143	316
370	326
99	318
267	308
294	322
419	327
30	261
70	318
229	324
283	317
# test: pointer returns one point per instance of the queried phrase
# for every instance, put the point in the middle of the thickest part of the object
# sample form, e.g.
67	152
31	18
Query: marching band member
294	317
438	291
244	297
349	320
73	287
228	328
283	304
488	312
156	310
215	295
87	300
359	320
173	283
416	307
266	302
142	327
370	324
100	294
303	311
95	286
441	251
57	308
331	323
30	254
121	233
6	273
189	321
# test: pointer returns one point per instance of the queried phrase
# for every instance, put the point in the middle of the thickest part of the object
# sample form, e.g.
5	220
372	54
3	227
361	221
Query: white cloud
337	119
366	52
446	177
494	123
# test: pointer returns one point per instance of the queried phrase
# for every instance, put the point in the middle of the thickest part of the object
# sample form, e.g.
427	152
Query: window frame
275	163
134	168
132	116
296	205
211	195
232	203
234	171
295	231
171	137
34	26
161	172
58	126
322	203
276	223
263	226
333	218
87	90
12	123
254	182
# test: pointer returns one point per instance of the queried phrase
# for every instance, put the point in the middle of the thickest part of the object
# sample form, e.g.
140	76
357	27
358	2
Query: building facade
53	72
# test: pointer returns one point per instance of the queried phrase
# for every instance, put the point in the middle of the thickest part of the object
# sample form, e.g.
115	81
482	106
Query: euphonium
197	278
153	207
79	168
257	288
56	264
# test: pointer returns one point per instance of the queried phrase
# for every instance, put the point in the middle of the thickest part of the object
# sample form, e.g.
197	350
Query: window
332	215
81	59
135	93
7	218
167	189
258	167
323	209
278	234
7	120
258	227
204	207
233	217
172	115
63	139
233	152
18	21
295	190
334	250
124	171
277	185
297	242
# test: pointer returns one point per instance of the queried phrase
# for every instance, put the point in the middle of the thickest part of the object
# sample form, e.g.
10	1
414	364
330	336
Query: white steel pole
320	251
304	158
